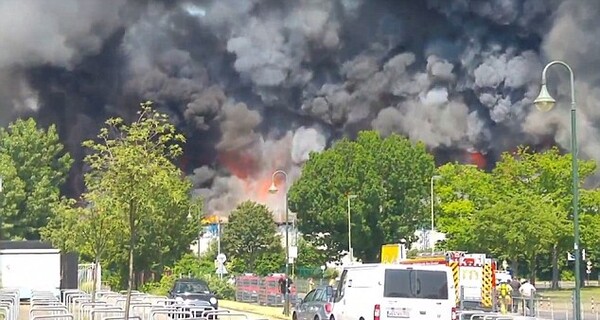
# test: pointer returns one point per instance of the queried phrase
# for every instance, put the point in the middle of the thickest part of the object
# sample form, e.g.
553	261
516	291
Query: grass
565	294
561	299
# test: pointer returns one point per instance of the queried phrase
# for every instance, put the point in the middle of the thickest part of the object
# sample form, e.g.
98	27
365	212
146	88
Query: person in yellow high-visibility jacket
505	295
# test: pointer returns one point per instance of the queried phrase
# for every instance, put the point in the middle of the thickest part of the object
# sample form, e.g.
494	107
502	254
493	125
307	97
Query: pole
199	234
350	233
219	245
432	215
286	309
575	166
273	189
575	174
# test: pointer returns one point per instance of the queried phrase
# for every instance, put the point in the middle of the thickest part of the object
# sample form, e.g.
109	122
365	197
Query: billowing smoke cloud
259	85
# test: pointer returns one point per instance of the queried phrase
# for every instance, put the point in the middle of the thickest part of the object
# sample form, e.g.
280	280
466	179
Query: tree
526	190
391	178
87	227
12	196
251	240
41	165
132	174
309	255
462	192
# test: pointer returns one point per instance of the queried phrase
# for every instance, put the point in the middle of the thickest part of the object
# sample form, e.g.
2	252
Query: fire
477	158
240	163
255	180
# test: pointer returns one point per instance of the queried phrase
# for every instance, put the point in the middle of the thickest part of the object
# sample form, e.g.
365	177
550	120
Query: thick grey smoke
259	85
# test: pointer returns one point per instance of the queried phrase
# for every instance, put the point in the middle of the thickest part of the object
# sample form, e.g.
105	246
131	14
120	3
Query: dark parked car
194	295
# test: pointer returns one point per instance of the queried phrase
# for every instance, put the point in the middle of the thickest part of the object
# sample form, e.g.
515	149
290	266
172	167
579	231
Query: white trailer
30	269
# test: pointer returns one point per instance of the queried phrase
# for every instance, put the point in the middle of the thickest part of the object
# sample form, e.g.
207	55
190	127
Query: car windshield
416	284
191	287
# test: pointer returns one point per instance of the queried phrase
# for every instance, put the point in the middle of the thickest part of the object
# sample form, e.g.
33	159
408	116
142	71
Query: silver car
316	305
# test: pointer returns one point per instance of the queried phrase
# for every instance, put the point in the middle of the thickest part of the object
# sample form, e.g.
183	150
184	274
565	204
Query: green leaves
391	178
136	198
250	237
33	166
518	211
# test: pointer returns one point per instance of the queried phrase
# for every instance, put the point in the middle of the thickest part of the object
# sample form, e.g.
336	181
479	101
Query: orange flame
478	159
240	163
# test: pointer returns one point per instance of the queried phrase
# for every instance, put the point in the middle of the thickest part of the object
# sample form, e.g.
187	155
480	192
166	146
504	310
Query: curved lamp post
545	102
273	189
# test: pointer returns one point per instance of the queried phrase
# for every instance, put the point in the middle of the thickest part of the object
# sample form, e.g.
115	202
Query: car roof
194	280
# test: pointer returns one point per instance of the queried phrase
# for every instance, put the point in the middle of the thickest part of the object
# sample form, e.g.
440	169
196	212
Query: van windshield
418	284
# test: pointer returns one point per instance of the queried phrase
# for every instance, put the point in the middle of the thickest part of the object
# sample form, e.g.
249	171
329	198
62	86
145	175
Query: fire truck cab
473	275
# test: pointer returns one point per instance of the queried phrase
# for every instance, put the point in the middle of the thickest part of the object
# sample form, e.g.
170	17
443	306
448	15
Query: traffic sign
221	269
293	252
221	257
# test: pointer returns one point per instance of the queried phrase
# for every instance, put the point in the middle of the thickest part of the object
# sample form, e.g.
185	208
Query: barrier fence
262	290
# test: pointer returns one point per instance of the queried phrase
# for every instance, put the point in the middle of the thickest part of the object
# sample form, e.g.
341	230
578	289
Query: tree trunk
532	269
131	246
95	278
514	265
555	274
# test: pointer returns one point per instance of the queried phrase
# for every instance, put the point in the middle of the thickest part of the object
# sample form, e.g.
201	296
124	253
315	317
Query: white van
395	292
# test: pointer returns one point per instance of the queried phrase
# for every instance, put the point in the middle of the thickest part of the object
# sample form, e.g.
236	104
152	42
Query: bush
159	288
190	266
567	275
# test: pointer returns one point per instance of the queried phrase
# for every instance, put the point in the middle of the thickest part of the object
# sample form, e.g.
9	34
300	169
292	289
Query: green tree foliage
309	255
520	210
34	165
133	175
389	175
12	196
88	227
250	240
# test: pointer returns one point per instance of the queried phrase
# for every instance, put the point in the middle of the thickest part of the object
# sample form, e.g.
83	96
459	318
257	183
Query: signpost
221	270
589	271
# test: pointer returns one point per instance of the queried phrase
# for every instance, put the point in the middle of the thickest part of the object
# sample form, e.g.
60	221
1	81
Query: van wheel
332	317
294	316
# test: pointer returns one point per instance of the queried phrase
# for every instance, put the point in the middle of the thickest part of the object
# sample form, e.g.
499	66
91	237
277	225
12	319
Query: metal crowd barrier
9	304
44	305
110	305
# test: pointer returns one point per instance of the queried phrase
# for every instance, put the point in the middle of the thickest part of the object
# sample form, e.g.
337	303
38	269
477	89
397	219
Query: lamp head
544	102
273	188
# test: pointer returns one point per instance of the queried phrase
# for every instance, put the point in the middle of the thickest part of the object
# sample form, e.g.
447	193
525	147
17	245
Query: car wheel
316	317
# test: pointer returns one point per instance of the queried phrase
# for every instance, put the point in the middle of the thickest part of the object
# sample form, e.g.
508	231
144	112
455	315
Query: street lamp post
273	189
432	213
350	250
545	102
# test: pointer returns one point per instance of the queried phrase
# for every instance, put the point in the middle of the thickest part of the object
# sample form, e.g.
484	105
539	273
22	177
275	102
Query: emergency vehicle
473	273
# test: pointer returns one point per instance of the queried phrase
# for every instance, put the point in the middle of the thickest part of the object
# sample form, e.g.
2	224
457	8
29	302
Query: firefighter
505	293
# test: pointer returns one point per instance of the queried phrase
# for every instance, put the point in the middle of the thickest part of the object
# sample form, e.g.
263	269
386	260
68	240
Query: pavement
256	310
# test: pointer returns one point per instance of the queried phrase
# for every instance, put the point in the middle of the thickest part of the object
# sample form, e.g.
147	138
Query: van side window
341	286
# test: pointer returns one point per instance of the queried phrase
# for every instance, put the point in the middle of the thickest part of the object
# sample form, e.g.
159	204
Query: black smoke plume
258	84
